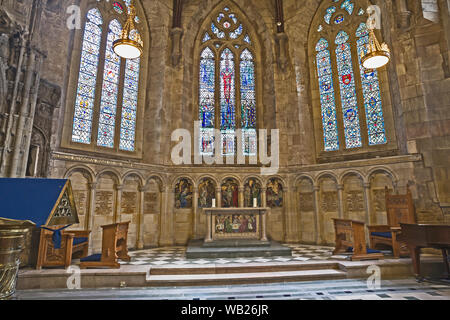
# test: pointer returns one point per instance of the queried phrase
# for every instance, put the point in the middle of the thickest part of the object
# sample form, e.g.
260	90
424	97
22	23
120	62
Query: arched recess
352	118
306	208
109	118
328	208
153	208
379	180
228	49
131	209
229	193
38	155
252	190
275	198
183	210
207	187
354	206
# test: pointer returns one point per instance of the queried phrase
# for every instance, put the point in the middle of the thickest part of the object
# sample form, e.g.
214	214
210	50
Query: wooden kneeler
350	234
114	247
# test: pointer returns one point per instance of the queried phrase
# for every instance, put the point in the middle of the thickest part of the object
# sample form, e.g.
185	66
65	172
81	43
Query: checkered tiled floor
177	256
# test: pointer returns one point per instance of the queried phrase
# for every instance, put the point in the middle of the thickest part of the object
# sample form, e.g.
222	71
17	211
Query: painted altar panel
252	190
183	194
206	192
274	193
236	226
230	194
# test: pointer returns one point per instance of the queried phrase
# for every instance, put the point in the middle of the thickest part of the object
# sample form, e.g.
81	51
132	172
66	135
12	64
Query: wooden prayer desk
419	236
114	247
351	234
235	224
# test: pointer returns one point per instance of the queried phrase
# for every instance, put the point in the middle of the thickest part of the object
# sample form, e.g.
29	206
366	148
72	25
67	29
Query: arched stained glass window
248	103
84	102
348	91
107	93
371	92
207	101
345	86
227	86
327	100
110	88
227	101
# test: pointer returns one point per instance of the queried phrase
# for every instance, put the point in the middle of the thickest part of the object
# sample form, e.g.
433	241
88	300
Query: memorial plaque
80	201
129	202
151	203
104	203
307	202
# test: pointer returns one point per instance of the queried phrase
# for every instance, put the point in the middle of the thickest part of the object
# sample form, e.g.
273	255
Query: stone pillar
340	188
218	197
317	218
196	218
241	197
166	236
367	207
89	222
286	215
282	41
208	237
264	226
293	234
176	34
118	203
264	197
140	224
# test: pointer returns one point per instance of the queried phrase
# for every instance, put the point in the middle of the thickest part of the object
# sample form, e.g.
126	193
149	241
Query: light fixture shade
130	44
376	55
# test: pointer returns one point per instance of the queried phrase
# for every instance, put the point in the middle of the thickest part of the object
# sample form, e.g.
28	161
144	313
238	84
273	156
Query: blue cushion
92	258
79	241
382	234
350	249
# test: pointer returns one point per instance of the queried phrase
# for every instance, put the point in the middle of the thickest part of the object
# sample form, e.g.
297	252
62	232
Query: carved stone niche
38	156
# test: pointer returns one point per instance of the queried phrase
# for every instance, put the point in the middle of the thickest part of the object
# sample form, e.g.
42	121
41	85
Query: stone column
263	225
367	207
317	219
208	237
340	188
286	214
218	197
140	227
241	197
196	218
166	236
118	203
264	205
176	34
89	222
292	216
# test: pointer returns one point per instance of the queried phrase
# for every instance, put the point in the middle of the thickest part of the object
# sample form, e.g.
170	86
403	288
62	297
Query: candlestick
213	203
255	203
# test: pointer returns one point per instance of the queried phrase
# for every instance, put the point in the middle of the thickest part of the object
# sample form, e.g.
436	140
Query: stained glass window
329	14
348	91
110	87
129	105
371	93
348	5
84	103
327	100
207	101
227	101
115	72
221	77
248	103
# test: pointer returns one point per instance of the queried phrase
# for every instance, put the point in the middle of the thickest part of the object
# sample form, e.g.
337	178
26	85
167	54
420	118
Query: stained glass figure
248	102
129	105
227	101
87	78
348	91
327	99
110	87
207	101
371	93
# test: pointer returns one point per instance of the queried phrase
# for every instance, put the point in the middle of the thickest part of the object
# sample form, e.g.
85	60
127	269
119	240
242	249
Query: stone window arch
351	105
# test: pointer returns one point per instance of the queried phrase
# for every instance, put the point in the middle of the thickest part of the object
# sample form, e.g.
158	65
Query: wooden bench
400	209
114	247
74	244
350	236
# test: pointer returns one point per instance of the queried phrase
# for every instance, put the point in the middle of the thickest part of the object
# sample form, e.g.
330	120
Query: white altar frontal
235	224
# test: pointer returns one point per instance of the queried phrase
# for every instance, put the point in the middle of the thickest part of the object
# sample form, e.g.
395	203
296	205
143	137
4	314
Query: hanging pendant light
130	44
376	55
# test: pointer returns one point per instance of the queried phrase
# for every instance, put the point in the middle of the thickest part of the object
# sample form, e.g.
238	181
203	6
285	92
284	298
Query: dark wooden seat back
400	209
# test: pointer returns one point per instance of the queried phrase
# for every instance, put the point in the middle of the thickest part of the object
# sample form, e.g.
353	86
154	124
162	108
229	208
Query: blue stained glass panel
129	105
371	93
207	101
84	101
347	85
327	100
110	88
329	13
349	6
248	98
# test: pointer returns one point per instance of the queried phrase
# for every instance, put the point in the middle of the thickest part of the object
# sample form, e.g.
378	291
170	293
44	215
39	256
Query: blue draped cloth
57	236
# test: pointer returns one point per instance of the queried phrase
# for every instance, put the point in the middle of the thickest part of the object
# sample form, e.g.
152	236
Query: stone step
243	278
239	268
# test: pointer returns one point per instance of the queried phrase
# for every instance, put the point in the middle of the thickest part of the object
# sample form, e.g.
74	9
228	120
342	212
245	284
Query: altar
235	224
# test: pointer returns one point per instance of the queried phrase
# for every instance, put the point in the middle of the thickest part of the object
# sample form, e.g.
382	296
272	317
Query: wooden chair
400	209
114	247
350	236
73	244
